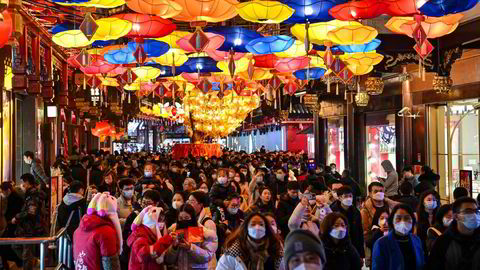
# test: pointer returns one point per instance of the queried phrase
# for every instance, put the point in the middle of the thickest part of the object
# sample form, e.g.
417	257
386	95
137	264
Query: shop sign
465	180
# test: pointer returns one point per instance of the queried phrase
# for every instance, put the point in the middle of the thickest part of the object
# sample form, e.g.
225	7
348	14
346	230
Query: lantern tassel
345	92
337	90
129	98
419	67
84	82
423	73
291	104
328	84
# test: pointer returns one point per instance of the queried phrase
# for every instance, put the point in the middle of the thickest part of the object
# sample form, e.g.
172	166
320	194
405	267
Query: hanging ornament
89	26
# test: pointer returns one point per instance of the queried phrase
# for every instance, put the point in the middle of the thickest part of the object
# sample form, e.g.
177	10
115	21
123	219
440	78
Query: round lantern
240	66
366	47
99	66
152	48
434	27
297	49
270	44
174	57
292	64
96	3
162	8
260	11
5	28
146	73
223	56
360	69
318	32
206	10
109	81
311	10
147	26
352	34
236	38
309	74
71	39
172	38
439	8
265	61
119	56
200	64
112	28
369	9
361	99
363	59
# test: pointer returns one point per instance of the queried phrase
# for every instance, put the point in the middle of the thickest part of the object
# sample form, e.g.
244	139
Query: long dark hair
423	223
241	234
377	215
442	211
327	225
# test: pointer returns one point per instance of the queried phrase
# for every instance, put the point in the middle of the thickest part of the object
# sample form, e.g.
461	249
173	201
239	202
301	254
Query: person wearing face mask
186	255
346	206
304	251
149	240
334	171
179	199
400	249
287	204
281	180
203	186
272	220
321	208
176	176
426	211
220	189
72	208
230	216
252	246
443	219
379	228
126	200
339	251
458	247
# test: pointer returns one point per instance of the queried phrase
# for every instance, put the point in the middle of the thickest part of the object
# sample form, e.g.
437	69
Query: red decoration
290	64
147	26
369	9
265	60
5	28
197	150
98	66
291	87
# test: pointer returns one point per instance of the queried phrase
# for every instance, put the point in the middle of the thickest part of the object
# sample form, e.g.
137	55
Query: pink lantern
224	56
98	66
214	42
291	64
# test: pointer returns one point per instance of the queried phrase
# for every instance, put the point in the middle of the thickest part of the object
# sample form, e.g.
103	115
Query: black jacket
259	206
407	199
219	193
79	173
32	219
348	181
96	177
355	228
342	256
65	209
453	251
284	211
14	205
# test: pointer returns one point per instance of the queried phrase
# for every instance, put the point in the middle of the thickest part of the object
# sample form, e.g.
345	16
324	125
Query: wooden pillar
320	134
406	135
350	158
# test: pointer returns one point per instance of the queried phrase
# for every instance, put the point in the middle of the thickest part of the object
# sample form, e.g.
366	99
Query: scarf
258	253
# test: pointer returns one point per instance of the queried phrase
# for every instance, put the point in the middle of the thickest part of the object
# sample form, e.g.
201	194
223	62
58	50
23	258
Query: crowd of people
241	211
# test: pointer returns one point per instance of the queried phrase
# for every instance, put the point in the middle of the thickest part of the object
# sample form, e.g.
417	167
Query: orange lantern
147	26
206	10
5	28
434	27
162	8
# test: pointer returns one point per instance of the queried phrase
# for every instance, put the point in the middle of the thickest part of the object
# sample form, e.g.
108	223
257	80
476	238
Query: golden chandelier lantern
374	86
361	99
442	84
311	101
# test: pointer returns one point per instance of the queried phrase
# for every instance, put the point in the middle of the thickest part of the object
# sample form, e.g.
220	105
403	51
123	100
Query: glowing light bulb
354	14
199	66
308	11
136	27
237	42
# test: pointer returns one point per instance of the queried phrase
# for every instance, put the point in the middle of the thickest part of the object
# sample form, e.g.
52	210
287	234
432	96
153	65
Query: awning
308	130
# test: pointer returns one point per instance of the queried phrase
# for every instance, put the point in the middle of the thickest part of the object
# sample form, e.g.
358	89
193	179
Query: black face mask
183	224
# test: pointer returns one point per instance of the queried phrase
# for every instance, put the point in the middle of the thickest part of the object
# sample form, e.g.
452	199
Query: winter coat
124	209
95	238
342	256
391	182
284	211
32	220
79	173
14	205
219	193
296	220
367	213
37	171
3	211
454	251
74	205
262	208
199	255
146	251
388	256
355	229
234	259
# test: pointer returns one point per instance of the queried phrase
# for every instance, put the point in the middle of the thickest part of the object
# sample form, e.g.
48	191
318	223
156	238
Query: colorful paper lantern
318	32
258	74
119	56
352	34
369	9
360	69
95	3
363	59
236	38
222	56
265	61
5	28
309	74
316	61
109	81
152	48
147	26
209	11
240	66
71	39
311	11
292	64
437	8
214	42
297	49
260	11
174	57
434	27
98	66
162	8
172	38
146	73
270	44
112	28
200	64
366	47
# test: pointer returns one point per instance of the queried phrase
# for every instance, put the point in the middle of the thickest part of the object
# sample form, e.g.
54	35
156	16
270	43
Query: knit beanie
303	241
105	205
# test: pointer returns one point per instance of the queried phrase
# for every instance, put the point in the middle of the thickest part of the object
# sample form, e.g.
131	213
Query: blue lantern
236	38
334	49
120	56
311	10
438	8
102	43
370	46
313	73
152	48
62	27
199	64
270	44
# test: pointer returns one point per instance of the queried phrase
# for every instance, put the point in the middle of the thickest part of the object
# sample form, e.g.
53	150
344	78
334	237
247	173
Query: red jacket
140	242
95	238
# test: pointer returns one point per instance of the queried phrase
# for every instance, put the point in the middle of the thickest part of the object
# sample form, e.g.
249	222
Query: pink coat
143	243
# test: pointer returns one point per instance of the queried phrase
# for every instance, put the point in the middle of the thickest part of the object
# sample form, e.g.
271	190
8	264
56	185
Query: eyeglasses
470	211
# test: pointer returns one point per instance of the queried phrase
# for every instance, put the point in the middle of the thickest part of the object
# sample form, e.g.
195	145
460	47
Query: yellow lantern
71	39
363	59
107	81
318	32
146	73
316	61
112	28
360	70
297	49
173	37
240	66
260	11
352	34
174	57
434	26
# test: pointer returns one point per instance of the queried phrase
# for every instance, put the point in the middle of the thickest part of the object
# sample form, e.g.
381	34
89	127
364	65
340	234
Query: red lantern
98	66
101	129
369	9
265	60
292	64
147	26
5	28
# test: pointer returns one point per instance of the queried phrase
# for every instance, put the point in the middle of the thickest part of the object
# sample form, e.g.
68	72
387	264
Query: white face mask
382	222
204	190
347	201
308	266
430	205
257	232
176	205
222	180
447	221
403	227
338	233
233	211
379	196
